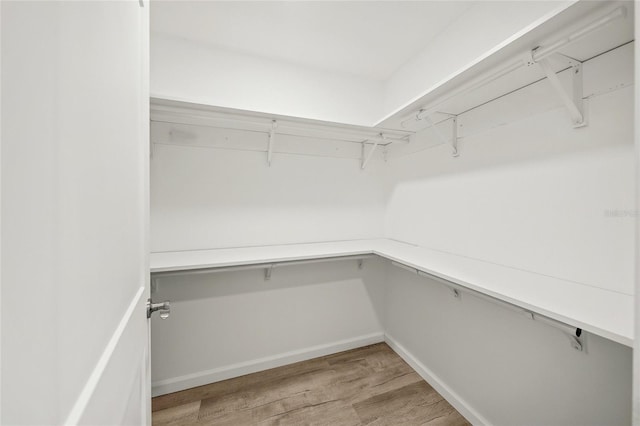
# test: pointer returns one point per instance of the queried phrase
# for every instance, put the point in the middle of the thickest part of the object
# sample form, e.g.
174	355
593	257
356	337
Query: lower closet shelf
593	309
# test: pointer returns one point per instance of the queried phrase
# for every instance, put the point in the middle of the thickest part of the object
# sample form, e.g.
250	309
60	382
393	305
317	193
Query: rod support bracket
453	141
575	335
267	272
272	141
573	101
577	340
576	343
365	160
528	58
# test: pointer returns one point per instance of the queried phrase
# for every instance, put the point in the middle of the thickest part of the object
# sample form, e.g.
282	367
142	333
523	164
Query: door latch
163	307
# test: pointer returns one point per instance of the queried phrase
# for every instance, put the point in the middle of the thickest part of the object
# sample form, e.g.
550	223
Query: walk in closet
353	212
472	207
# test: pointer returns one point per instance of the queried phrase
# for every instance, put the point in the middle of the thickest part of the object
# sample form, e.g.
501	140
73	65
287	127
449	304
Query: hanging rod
543	52
533	56
263	265
575	334
284	127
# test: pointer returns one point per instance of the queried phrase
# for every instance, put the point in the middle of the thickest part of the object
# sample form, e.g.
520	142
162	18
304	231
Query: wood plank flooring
365	386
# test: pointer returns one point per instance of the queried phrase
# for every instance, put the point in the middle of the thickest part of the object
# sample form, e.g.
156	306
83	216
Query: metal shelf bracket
453	141
456	293
154	284
267	272
272	141
365	160
573	102
575	335
576	343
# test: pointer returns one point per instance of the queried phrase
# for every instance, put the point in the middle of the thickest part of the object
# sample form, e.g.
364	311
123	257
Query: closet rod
574	333
259	265
543	52
535	55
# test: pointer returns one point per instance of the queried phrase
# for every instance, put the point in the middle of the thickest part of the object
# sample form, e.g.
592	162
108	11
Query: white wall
531	192
528	191
505	368
212	198
231	323
200	73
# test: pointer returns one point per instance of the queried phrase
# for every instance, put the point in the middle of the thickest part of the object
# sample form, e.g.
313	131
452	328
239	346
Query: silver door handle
163	307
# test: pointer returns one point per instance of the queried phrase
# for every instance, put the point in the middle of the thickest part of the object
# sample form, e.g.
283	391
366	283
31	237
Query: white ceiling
365	39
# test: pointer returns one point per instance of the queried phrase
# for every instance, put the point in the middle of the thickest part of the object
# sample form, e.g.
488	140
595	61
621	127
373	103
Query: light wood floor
365	386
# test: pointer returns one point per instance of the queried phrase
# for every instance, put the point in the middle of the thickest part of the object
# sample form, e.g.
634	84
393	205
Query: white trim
438	384
200	378
87	391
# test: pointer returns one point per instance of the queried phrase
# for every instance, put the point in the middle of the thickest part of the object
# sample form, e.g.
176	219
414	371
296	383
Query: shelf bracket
573	102
364	161
575	334
267	272
272	141
453	142
576	341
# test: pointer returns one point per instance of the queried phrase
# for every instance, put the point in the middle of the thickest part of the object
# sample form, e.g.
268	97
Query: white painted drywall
74	201
532	192
213	198
365	39
201	73
527	191
232	323
504	367
194	68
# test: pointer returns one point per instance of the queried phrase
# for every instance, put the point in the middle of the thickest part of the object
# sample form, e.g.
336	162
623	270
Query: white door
74	217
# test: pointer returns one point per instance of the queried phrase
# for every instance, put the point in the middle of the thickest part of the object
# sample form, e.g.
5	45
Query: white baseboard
176	384
447	393
200	378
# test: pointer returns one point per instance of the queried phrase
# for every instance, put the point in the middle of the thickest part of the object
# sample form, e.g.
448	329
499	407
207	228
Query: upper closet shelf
568	305
579	33
552	49
186	124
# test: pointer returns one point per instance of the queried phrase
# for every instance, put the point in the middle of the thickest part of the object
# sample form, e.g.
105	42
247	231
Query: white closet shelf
263	255
509	66
602	312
